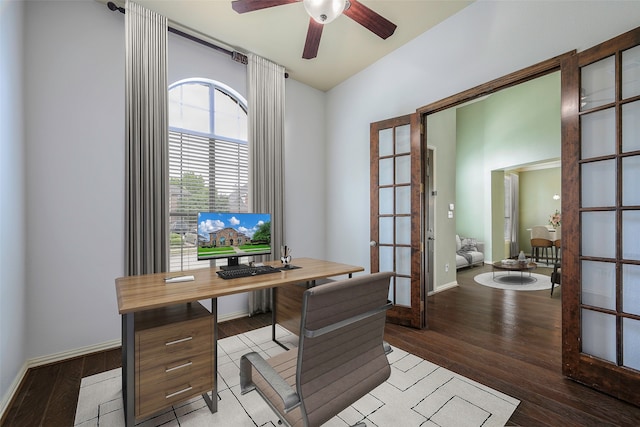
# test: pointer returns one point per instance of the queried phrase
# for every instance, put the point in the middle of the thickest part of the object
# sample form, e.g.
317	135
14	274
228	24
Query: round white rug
513	281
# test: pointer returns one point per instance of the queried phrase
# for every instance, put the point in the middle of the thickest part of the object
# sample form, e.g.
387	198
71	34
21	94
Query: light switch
450	214
450	206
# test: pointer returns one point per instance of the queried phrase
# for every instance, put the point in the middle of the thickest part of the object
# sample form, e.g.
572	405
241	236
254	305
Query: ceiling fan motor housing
324	11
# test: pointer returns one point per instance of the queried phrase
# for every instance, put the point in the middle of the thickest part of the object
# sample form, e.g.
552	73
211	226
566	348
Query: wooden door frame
537	70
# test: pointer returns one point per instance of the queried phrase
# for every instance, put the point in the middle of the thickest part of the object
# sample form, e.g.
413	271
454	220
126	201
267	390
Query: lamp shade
324	11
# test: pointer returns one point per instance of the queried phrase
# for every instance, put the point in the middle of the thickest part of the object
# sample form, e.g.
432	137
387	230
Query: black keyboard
236	273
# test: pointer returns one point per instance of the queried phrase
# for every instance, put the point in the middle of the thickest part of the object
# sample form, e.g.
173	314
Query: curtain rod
235	55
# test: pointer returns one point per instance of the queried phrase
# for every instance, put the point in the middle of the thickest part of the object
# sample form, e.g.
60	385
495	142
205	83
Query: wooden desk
138	294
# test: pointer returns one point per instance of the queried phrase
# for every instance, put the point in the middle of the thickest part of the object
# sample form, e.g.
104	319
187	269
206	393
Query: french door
601	217
396	215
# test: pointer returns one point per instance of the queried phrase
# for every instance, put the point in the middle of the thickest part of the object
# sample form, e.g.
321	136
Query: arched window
208	161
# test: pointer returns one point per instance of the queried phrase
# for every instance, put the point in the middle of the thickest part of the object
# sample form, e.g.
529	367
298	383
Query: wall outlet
446	268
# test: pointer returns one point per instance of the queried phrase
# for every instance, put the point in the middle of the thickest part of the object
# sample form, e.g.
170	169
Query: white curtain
146	127
514	213
266	155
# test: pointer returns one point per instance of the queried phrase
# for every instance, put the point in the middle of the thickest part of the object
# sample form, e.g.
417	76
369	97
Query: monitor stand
233	264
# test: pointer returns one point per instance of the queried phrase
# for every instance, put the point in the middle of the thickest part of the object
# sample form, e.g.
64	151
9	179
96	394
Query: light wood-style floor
507	340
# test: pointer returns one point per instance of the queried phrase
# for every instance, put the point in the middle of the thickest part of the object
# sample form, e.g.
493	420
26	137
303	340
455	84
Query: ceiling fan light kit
324	11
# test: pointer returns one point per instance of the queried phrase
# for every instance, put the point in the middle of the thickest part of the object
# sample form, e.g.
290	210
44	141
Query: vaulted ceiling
278	33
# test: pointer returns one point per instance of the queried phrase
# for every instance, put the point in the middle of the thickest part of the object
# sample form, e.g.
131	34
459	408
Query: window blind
206	174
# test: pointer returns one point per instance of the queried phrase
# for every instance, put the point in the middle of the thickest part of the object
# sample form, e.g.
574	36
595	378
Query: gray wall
13	319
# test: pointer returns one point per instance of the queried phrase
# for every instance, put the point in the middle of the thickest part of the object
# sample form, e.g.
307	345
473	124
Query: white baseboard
232	316
13	389
70	354
444	287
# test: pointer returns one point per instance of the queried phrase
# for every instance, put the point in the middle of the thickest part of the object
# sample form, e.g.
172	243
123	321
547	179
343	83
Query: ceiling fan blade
313	40
243	6
369	19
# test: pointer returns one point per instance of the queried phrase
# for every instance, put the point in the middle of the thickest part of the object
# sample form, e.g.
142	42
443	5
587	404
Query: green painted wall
514	127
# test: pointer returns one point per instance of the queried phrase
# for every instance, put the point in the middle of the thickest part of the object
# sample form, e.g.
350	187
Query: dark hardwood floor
506	340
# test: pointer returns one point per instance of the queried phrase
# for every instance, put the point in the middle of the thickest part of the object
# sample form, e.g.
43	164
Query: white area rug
513	281
418	393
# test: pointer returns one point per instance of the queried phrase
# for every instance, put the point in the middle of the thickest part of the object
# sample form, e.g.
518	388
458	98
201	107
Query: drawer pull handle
169	396
178	341
184	365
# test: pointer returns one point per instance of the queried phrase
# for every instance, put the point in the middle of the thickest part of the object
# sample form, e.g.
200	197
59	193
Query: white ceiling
279	33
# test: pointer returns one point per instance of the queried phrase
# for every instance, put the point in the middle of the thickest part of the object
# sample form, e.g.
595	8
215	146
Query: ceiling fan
322	12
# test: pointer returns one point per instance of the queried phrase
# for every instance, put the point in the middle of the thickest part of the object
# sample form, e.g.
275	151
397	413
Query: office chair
340	355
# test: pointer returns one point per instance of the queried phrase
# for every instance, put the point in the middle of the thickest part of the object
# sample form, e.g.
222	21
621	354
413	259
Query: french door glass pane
630	233
599	334
385	234
403	291
598	286
630	180
631	343
385	142
385	254
599	234
631	127
599	184
403	141
385	173
598	83
385	201
403	261
631	72
598	133
403	200
631	288
403	169
403	230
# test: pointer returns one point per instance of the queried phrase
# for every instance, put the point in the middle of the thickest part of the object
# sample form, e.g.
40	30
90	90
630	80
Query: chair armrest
387	348
480	246
290	398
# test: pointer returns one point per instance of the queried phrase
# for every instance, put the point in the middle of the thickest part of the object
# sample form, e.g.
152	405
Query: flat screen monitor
233	235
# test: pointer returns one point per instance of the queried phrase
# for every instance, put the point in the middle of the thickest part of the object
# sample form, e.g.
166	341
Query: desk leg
128	369
212	402
273	320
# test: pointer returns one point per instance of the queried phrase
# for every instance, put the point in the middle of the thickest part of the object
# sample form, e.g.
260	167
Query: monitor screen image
233	235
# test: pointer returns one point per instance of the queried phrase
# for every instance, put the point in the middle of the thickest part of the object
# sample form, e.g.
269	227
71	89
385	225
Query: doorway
507	127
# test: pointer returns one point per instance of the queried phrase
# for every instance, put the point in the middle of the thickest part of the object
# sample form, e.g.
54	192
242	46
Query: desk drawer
161	346
162	386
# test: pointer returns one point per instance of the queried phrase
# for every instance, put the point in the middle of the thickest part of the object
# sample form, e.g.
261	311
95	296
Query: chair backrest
540	232
341	356
557	236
